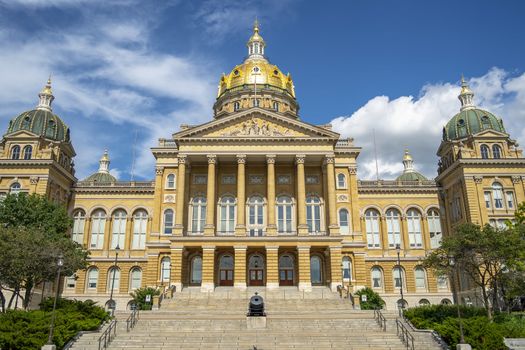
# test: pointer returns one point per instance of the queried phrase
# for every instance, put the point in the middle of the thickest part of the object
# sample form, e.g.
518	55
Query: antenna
375	154
133	156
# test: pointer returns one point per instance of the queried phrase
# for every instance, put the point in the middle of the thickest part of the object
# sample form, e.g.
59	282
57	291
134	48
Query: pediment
490	133
256	123
21	134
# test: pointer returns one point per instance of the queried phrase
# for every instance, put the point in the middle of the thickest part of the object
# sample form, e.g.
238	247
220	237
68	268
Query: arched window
79	220
284	215
344	221
26	123
347	268
170	181
256	216
421	278
198	214
497	194
236	106
434	227
28	152
377	278
227	214
313	214
140	221
414	228
394	227
496	151
196	270
165	269
372	228
15	188
446	302
316	270
92	278
341	181
399	277
135	278
168	221
113	272
98	224
276	106
15	152
119	229
424	302
485	151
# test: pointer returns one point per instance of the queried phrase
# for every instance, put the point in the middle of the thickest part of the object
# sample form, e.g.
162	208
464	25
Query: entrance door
286	270
316	274
226	270
256	270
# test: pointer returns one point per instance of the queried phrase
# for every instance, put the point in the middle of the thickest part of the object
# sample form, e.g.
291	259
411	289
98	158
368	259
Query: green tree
33	233
373	300
139	297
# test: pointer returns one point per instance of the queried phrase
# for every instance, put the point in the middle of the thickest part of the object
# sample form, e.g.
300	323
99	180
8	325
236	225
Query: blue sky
127	66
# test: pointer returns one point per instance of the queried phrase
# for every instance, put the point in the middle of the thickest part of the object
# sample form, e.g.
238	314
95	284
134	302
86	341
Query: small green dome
41	122
469	122
101	177
411	176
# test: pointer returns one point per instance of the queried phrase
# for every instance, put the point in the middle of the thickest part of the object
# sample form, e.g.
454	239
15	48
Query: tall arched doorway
286	270
316	270
196	270
226	270
256	270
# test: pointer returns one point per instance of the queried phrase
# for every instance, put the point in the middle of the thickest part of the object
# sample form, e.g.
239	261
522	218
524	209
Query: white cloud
417	123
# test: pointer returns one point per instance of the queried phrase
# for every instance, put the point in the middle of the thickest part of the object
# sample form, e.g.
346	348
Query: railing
132	320
118	184
169	143
394	183
404	334
380	318
341	143
317	233
195	233
109	334
225	233
287	233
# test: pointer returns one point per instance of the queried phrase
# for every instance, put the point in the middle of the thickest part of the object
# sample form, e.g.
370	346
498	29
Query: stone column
176	267
335	267
271	228
425	232
330	182
181	185
302	228
272	267
305	282
128	238
240	267
208	268
151	274
240	228
405	243
383	232
157	201
209	228
87	232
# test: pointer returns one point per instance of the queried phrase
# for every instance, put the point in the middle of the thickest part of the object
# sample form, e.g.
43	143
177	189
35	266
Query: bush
28	330
373	300
139	297
479	332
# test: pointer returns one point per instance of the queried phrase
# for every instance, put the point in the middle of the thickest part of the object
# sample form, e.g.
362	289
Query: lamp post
60	263
112	304
398	251
455	287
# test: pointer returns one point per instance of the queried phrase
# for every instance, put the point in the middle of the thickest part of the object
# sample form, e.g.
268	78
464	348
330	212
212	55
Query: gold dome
254	72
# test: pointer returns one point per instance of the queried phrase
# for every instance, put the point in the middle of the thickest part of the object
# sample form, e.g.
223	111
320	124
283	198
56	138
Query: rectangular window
78	229
510	200
200	179
372	232
139	233
487	200
414	232
70	281
394	231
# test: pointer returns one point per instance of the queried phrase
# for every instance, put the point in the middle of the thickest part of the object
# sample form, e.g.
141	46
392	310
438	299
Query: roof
471	121
41	122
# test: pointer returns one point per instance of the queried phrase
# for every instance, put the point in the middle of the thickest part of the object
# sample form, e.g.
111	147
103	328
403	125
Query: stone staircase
295	320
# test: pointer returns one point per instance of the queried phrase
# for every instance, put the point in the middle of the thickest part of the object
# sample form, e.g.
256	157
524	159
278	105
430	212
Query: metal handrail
132	320
109	334
406	337
380	318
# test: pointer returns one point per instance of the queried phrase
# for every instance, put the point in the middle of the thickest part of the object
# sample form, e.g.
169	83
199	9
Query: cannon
256	306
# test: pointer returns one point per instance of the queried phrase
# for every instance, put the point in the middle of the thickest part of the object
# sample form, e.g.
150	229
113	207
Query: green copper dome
41	122
411	176
101	177
471	121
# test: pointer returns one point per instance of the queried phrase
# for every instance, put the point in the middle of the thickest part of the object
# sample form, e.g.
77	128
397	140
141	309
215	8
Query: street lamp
398	251
60	263
455	286
112	304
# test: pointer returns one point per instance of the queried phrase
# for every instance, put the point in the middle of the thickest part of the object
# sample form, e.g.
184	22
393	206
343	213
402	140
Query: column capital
33	180
270	158
241	158
299	158
159	170
515	179
329	159
212	158
182	158
352	170
478	179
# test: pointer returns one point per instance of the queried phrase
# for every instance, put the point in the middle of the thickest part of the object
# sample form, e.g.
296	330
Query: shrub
139	297
28	330
373	300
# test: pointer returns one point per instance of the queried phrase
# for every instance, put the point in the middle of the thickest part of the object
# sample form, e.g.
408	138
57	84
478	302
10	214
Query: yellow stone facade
258	197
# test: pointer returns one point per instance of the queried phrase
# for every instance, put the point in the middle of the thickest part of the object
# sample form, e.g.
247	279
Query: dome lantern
104	163
466	96
102	175
46	97
256	44
409	173
408	162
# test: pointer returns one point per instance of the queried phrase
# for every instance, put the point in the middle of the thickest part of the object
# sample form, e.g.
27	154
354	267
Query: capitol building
259	197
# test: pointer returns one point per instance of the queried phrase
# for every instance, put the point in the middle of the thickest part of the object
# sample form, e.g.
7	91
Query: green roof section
101	177
470	122
411	176
41	122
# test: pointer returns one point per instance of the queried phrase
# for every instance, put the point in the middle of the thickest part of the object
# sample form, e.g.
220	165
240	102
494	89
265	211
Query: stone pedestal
255	322
463	347
49	347
515	343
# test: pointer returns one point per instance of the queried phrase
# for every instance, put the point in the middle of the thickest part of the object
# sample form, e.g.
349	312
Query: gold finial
256	26
407	155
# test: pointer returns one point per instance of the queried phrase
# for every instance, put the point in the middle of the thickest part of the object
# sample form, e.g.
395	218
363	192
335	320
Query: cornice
37	163
246	239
